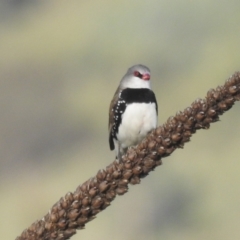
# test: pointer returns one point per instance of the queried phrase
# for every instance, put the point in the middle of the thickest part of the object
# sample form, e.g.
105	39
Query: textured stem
75	209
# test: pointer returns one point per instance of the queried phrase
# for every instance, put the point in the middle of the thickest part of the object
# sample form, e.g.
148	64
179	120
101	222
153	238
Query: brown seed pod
176	137
161	150
82	220
85	211
54	235
128	165
69	232
103	186
151	145
137	170
48	225
86	201
135	180
110	195
54	217
200	115
62	224
116	174
97	202
121	190
73	214
166	142
123	182
233	89
93	191
76	204
69	197
101	175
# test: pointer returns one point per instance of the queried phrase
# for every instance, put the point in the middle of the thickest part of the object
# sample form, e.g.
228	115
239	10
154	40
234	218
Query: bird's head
137	76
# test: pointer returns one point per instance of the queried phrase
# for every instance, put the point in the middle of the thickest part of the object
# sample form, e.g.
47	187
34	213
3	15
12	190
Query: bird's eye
138	74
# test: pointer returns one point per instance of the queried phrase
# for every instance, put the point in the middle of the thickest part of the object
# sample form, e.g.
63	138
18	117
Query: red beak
146	76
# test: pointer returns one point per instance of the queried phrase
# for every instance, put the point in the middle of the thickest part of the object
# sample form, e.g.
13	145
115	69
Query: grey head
137	76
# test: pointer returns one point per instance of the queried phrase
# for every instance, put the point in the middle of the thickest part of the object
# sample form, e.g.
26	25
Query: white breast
137	120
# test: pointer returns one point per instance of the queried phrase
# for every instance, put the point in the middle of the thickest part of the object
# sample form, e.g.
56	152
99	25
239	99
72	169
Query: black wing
117	108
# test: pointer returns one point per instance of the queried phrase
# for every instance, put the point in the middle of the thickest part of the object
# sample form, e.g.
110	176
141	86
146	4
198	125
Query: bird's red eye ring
137	74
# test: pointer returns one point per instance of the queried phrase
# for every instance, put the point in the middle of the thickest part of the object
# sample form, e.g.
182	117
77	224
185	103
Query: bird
133	111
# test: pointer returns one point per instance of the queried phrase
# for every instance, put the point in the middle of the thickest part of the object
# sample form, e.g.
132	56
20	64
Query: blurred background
60	63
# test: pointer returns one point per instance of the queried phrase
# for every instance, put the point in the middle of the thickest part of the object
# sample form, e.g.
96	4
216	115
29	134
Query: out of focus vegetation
60	63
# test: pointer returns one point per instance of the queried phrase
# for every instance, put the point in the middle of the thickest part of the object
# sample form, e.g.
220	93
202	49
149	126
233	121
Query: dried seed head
200	115
113	184
237	97
84	187
207	120
128	165
127	174
91	183
62	224
110	195
145	171
93	191
148	162
166	142
161	150
85	211
151	145
116	174
60	237
54	208
233	89
143	145
176	137
105	204
121	190
103	186
123	182
48	225
198	126
76	204
141	153
187	127
222	106
110	169
158	162
76	196
54	217
179	128
73	214
54	235
135	180
79	194
95	211
69	198
169	150
137	170
82	220
158	131
229	101
188	112
86	201
210	93
39	229
97	202
101	175
68	233
211	112
216	95
131	155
